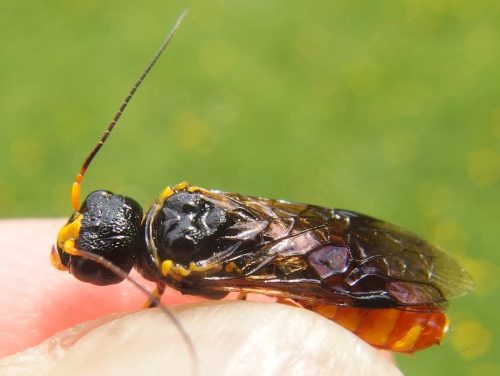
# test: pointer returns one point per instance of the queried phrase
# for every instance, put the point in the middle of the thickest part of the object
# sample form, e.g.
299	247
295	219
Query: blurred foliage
388	108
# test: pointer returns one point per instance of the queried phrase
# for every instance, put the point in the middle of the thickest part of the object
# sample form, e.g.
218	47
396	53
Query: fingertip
229	338
43	358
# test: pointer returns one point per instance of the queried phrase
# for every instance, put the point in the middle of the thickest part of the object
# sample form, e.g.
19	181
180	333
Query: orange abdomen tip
390	329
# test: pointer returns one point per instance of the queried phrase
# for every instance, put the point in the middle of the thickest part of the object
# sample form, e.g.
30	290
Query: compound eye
92	272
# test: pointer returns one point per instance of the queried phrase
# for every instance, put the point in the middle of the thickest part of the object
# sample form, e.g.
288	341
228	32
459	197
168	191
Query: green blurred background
385	107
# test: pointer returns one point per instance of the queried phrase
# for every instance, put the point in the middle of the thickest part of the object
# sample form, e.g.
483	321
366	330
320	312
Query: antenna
76	186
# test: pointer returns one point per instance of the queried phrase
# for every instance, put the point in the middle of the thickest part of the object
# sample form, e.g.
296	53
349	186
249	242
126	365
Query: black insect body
381	282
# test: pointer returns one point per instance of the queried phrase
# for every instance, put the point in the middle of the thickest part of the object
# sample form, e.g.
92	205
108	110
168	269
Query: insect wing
339	257
414	270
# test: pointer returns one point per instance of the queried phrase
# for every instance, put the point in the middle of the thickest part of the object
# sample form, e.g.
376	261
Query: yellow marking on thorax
168	267
181	186
169	191
199	268
166	193
194	188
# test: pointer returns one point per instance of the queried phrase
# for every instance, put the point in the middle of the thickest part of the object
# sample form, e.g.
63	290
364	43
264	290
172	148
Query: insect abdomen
389	329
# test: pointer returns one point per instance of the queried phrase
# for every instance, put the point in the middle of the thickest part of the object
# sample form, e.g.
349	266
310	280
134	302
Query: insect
383	283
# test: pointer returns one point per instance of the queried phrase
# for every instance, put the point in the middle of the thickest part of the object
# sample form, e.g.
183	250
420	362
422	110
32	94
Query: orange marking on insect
434	330
377	325
327	310
417	330
389	328
350	317
407	342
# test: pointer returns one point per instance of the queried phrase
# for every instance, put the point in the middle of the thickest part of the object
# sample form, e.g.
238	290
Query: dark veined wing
337	256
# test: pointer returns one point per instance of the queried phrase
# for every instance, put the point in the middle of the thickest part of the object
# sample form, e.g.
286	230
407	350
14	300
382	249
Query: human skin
51	323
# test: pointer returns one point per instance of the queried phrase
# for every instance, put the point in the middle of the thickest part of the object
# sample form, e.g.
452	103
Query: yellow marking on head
55	260
70	249
70	231
68	244
407	343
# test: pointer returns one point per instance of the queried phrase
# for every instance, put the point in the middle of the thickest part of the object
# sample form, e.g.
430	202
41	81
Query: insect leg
242	296
155	297
289	302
